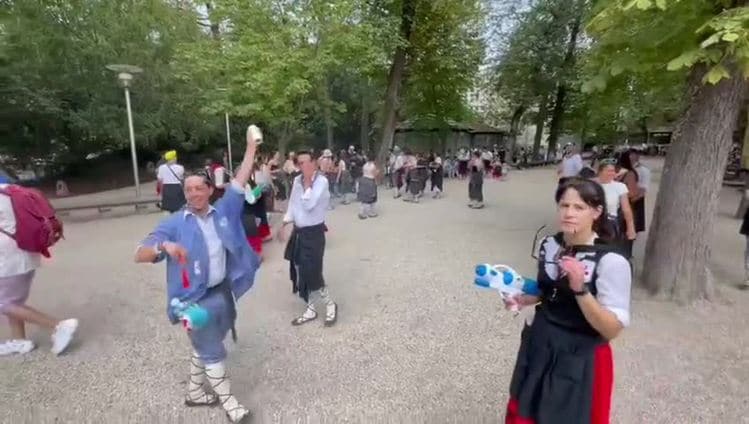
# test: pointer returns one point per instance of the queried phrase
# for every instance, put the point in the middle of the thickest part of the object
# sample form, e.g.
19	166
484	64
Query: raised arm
233	200
245	169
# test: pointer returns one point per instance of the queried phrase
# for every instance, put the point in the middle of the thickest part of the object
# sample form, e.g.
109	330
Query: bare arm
527	300
245	169
627	212
603	320
630	181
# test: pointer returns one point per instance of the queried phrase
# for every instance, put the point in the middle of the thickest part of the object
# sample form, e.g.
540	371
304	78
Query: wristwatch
582	292
160	252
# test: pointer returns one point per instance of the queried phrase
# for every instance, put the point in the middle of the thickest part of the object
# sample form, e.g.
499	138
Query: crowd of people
625	181
212	243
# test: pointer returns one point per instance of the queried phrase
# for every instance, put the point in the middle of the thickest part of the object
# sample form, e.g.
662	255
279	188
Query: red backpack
37	227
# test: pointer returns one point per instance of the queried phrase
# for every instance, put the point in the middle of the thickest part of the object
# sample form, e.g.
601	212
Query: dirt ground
416	342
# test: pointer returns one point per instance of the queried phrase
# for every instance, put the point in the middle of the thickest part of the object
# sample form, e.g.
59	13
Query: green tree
709	38
432	65
57	92
534	61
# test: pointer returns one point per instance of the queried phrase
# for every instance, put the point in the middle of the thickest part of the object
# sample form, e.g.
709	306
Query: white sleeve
289	216
644	179
218	176
180	171
160	173
622	189
614	285
579	165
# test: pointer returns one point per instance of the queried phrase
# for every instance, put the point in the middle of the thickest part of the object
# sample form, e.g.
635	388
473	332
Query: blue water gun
192	315
506	280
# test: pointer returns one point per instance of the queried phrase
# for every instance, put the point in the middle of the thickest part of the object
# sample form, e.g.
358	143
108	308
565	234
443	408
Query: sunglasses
565	251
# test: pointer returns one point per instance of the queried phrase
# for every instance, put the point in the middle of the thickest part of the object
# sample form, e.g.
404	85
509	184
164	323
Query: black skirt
305	251
638	212
367	191
437	178
556	375
476	187
172	197
744	230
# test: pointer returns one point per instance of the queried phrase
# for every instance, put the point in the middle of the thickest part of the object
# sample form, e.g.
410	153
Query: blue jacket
183	229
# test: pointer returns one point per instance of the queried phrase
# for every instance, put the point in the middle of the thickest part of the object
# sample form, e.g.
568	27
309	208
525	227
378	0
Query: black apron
437	177
172	197
744	230
476	185
305	251
367	191
638	213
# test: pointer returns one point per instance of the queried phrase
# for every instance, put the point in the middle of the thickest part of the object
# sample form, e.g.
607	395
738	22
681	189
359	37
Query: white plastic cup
254	132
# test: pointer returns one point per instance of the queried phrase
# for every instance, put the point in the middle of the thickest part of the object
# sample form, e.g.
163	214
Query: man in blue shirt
209	263
308	205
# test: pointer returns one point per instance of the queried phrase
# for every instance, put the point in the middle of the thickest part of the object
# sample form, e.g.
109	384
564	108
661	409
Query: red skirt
263	231
256	243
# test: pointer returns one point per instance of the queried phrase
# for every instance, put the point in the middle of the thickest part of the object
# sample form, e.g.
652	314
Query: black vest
558	302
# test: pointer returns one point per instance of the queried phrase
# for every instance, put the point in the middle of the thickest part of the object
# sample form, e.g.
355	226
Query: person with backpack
28	228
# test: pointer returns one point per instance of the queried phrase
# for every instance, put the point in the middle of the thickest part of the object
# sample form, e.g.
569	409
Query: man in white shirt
17	268
308	205
571	165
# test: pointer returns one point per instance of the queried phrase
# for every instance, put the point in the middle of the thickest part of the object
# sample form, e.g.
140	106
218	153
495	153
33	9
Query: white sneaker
63	335
16	346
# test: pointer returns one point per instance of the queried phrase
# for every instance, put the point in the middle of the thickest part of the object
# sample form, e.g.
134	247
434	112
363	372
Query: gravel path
415	341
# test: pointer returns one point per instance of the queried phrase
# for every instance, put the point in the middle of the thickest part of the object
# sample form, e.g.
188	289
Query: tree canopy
306	71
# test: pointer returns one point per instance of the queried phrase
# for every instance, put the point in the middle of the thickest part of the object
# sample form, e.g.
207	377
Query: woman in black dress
564	369
744	230
476	181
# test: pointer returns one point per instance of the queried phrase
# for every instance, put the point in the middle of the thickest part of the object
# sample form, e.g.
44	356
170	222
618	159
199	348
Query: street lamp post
228	133
125	76
228	144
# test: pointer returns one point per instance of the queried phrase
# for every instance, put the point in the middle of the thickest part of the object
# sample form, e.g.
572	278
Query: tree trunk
283	140
557	115
364	124
395	77
555	126
678	246
329	126
744	203
540	120
514	130
215	31
327	110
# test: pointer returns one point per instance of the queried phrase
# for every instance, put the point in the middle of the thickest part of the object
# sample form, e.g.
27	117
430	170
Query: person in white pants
17	269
